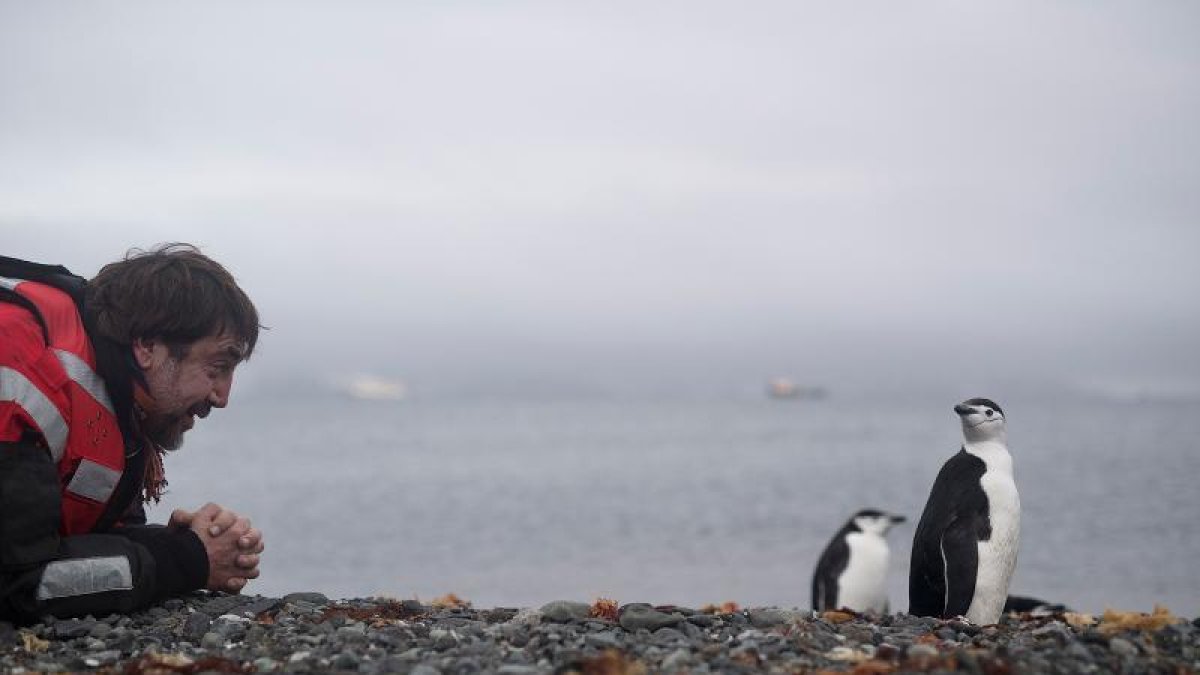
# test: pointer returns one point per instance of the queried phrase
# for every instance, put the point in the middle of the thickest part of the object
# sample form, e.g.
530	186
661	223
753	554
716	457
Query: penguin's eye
989	413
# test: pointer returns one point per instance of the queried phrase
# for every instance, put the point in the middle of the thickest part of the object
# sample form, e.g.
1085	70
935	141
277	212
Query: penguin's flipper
960	553
825	579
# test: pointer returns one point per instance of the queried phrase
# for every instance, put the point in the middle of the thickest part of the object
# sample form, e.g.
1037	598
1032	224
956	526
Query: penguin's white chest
998	554
862	586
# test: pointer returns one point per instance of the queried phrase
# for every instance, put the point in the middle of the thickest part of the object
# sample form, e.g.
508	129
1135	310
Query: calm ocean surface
517	502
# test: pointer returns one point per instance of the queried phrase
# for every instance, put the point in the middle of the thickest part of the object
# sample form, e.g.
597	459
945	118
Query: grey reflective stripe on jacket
16	388
84	576
94	481
82	374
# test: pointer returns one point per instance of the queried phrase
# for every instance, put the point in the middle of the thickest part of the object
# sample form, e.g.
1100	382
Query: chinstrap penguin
852	571
965	546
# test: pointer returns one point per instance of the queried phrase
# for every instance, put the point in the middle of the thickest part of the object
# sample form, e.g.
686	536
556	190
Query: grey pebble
212	640
106	658
352	633
920	651
668	636
1122	647
1078	650
602	640
562	611
676	660
637	616
346	661
73	628
307	597
195	626
769	616
518	669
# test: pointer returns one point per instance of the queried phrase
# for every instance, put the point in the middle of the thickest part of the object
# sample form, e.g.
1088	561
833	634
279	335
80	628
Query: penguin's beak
963	409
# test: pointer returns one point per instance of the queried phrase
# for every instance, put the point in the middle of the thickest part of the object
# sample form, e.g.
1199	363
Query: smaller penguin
852	571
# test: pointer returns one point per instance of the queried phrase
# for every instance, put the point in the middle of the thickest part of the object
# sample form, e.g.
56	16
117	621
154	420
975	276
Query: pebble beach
307	632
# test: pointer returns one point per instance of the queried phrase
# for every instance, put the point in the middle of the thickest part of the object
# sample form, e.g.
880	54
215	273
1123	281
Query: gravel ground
306	632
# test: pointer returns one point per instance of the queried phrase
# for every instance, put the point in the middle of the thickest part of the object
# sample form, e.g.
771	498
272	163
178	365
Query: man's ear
145	352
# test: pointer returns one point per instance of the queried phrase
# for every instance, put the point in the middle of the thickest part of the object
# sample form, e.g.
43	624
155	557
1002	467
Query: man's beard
166	432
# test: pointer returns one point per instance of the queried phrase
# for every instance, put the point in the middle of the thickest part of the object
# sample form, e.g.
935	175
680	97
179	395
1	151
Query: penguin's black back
830	566
956	519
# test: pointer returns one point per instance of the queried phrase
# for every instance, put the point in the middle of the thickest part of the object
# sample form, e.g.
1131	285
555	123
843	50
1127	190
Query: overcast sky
880	191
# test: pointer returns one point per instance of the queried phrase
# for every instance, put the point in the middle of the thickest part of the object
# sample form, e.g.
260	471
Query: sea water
672	499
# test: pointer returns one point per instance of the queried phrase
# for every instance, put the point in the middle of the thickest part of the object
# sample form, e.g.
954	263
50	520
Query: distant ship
784	387
374	388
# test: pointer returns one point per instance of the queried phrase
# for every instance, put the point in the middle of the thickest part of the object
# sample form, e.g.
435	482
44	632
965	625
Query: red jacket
52	388
67	470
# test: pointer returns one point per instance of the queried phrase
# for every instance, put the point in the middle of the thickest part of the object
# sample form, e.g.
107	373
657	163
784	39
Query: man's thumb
180	518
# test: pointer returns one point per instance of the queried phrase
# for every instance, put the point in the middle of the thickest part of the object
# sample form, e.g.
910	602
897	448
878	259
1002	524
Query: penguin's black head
874	521
981	418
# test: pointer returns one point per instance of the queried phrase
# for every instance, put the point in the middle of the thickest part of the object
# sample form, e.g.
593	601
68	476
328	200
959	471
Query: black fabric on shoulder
52	275
30	506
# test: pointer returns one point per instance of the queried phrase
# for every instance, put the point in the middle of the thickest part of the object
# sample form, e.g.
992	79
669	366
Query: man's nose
219	396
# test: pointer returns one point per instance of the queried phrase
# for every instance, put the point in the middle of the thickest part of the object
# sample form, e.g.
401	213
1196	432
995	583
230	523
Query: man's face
185	388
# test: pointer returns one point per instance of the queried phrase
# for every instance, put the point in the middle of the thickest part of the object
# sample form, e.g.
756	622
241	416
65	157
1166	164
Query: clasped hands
232	544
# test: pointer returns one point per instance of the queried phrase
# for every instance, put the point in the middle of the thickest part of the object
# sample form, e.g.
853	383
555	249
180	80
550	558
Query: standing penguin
852	572
965	547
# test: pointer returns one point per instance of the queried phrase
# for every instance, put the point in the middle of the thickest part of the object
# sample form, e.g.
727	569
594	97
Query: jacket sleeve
116	572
